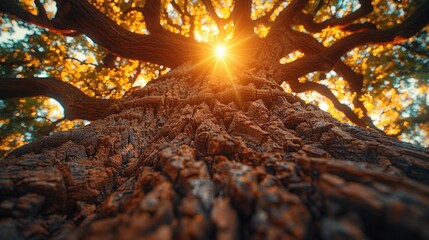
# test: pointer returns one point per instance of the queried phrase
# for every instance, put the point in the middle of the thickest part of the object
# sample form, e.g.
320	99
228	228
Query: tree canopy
365	62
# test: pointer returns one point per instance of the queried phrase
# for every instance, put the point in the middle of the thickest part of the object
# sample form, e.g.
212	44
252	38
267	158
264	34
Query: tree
215	148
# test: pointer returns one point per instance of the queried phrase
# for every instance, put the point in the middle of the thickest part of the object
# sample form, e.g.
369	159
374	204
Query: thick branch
11	8
13	63
76	104
395	35
242	14
307	19
109	60
158	47
326	60
309	45
328	57
151	13
325	91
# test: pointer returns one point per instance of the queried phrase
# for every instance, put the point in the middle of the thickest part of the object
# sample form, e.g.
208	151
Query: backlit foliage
395	76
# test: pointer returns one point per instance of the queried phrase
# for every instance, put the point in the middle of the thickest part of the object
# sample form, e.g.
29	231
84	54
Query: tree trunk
208	157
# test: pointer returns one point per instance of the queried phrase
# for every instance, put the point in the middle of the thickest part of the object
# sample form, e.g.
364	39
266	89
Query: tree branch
286	17
109	60
11	8
151	12
138	9
212	12
242	12
308	45
325	60
242	18
80	16
307	19
191	18
220	22
41	10
76	104
357	27
179	9
170	21
80	61
423	117
266	18
158	47
298	87
136	74
418	20
13	63
416	52
183	13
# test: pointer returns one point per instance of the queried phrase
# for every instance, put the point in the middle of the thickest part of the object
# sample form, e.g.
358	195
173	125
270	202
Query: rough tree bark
194	156
199	155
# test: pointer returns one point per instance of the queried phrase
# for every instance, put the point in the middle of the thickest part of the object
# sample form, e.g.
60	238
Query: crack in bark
211	173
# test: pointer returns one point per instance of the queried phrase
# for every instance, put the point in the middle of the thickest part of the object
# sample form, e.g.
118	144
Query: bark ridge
197	157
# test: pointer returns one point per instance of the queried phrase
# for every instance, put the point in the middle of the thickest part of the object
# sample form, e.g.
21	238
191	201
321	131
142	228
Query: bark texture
206	157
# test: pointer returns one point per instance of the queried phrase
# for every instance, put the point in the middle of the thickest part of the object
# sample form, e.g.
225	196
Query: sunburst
220	51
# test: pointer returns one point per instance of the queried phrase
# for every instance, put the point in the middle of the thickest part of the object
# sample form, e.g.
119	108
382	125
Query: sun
220	51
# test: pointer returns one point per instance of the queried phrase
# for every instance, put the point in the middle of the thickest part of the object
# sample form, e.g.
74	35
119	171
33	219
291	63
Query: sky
19	32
